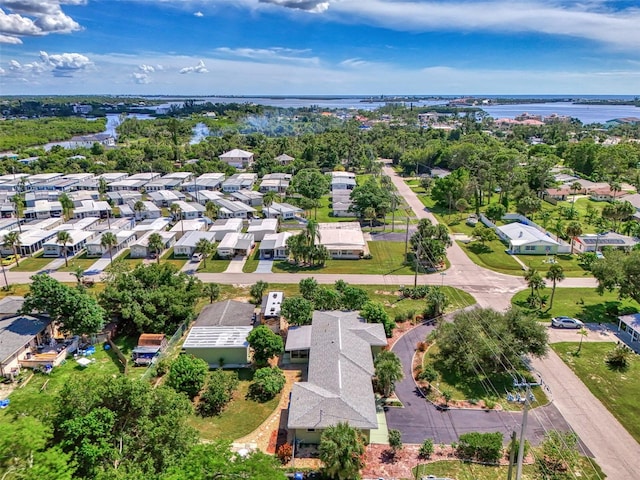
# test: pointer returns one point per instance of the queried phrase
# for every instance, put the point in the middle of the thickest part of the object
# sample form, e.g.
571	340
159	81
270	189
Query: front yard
618	391
32	264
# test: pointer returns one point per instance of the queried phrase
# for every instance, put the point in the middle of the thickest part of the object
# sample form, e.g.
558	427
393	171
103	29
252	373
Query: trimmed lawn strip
619	392
583	303
125	257
79	261
32	264
587	470
252	262
542	263
241	416
493	387
214	266
169	257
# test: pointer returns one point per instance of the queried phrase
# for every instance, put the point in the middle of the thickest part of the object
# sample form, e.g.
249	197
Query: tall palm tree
109	241
12	241
64	237
341	451
176	211
203	246
269	198
388	370
78	272
139	207
574	229
212	290
615	188
67	205
532	277
211	210
18	205
555	274
575	188
155	243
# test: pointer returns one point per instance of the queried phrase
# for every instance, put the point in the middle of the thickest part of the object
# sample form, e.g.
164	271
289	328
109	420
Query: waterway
585	113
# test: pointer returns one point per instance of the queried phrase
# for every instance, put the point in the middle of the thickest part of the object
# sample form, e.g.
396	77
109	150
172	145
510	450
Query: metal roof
217	337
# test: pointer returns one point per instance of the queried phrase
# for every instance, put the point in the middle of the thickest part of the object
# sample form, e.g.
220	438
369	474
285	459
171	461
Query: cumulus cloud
24	18
199	68
140	78
66	64
307	5
147	68
273	54
23	69
10	40
199	14
2	71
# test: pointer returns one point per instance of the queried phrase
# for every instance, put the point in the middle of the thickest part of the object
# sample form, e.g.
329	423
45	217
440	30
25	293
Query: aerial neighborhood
387	293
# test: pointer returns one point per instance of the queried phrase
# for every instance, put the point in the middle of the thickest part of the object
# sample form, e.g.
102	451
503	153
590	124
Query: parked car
196	257
11	259
566	322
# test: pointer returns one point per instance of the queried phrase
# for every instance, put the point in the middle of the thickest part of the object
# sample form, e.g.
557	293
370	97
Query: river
585	113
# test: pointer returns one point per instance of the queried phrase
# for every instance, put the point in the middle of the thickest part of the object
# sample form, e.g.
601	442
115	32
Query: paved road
419	419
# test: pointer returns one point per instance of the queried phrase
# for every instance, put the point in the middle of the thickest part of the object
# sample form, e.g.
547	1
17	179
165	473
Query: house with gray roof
341	348
20	335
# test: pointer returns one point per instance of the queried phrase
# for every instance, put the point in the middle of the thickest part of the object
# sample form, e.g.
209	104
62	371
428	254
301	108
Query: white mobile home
236	244
79	239
124	238
187	243
140	248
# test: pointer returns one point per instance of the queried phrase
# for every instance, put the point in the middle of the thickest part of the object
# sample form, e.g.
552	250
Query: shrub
618	358
162	367
422	346
187	374
490	404
516	446
395	440
428	374
285	453
400	317
484	447
426	449
267	383
410	314
218	393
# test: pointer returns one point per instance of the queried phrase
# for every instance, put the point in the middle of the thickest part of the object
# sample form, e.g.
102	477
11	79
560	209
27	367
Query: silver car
566	322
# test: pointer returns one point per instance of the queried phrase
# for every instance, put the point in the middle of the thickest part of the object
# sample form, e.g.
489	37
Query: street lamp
442	275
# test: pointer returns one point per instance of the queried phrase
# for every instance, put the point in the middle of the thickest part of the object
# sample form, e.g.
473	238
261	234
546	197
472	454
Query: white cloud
2	71
354	63
199	68
313	6
9	39
140	78
36	17
274	54
199	14
66	64
147	68
31	68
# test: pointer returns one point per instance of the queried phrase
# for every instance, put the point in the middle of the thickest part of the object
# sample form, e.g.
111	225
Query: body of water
584	113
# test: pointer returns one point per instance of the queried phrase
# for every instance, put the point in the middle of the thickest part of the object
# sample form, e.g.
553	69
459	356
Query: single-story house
112	176
182	227
145	176
274	246
204	196
124	238
128	184
219	334
343	240
120	198
79	238
190	210
559	194
237	158
140	248
594	241
182	176
528	240
31	241
281	210
260	227
163	184
239	181
284	159
223	226
187	243
340	348
248	197
270	310
164	198
92	208
342	183
233	209
630	324
234	243
275	182
605	194
206	181
150	211
160	223
43	209
149	347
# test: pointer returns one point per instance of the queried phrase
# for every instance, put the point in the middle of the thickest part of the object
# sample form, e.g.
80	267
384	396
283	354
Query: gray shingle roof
16	332
340	371
226	314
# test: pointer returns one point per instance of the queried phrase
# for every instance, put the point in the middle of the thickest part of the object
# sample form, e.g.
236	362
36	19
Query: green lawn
492	387
587	470
33	399
32	264
169	257
583	303
324	214
125	257
542	263
79	261
214	266
618	391
387	259
241	417
252	262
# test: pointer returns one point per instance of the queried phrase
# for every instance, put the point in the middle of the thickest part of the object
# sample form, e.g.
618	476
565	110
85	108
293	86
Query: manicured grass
583	303
79	261
586	470
492	255
32	264
33	399
618	391
241	416
388	258
169	257
542	263
324	214
492	387
214	266
252	262
125	257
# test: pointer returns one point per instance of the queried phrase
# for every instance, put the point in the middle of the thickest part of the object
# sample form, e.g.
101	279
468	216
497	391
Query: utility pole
6	282
394	200
523	429
406	239
512	455
415	274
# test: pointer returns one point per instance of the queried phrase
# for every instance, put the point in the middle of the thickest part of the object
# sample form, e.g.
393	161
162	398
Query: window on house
311	429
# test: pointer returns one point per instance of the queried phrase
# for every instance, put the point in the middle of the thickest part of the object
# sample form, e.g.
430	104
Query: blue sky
296	47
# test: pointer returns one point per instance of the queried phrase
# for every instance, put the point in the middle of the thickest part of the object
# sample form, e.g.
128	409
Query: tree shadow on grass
289	267
479	248
605	312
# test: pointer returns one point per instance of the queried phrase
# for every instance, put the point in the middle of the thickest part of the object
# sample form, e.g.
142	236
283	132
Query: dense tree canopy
619	270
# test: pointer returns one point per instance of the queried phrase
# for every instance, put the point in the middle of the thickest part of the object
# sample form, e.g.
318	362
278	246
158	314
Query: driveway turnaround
419	419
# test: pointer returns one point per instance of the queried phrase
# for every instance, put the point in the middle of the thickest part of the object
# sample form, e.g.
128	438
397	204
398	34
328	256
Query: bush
422	346
484	447
490	404
400	317
187	374
285	453
516	446
428	374
618	358
267	383
219	392
395	440
162	367
426	449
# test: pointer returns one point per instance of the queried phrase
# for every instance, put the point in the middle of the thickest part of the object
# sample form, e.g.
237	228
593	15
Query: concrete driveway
264	266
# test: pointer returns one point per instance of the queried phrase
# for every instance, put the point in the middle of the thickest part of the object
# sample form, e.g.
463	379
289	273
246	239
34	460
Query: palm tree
583	332
269	198
155	243
212	290
63	237
555	274
615	188
12	241
532	277
108	241
18	205
78	272
370	213
139	208
574	229
176	211
102	187
203	246
575	188
388	370
341	451
211	210
311	234
67	205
